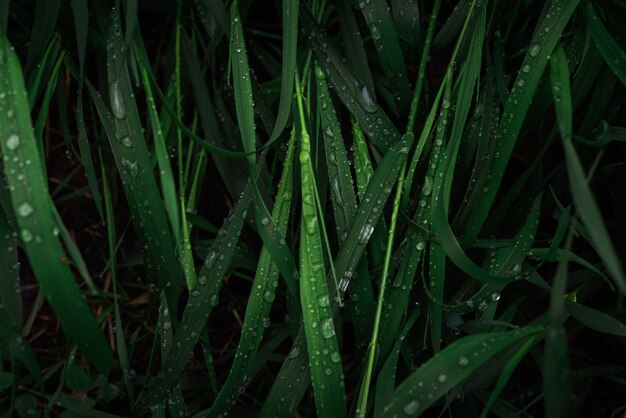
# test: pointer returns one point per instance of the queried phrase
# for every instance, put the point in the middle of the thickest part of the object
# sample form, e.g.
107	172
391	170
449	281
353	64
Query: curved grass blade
10	291
362	401
32	203
364	172
353	45
123	127
370	209
261	298
448	368
596	320
244	107
319	325
344	206
288	67
352	92
18	347
386	380
518	102
46	14
586	205
203	298
613	55
291	383
168	186
506	373
384	35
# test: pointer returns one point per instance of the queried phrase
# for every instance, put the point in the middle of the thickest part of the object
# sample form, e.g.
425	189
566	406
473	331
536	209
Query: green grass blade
291	383
46	14
370	210
506	373
261	298
363	172
32	203
15	343
203	298
288	68
168	187
383	32
319	324
244	106
353	45
386	380
80	9
10	290
596	320
123	127
352	92
613	55
344	205
85	153
518	102
448	368
586	205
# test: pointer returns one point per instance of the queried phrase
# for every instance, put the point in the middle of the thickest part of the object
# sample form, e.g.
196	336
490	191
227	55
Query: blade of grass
260	301
288	67
517	105
613	55
32	203
586	205
319	326
352	92
448	368
383	32
123	127
203	298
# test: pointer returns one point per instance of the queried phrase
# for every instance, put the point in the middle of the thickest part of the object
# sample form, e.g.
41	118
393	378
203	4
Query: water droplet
25	209
265	221
442	378
269	296
335	357
131	166
365	233
323	301
125	140
328	328
13	142
196	292
526	68
376	34
367	101
446	104
534	50
412	407
319	73
310	225
202	280
27	236
117	101
214	300
294	352
521	82
428	186
463	361
420	245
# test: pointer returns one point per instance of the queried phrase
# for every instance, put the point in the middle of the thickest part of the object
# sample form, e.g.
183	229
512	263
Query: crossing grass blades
379	208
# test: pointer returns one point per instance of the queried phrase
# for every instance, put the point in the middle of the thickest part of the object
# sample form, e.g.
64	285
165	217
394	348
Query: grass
289	208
